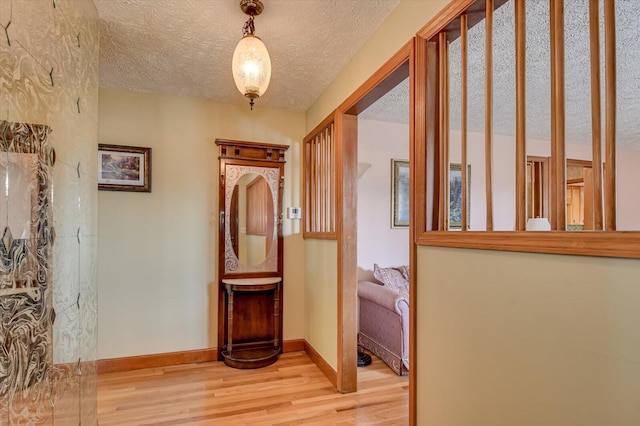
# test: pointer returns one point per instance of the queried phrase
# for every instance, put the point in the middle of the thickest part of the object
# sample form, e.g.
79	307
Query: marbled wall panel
49	75
25	267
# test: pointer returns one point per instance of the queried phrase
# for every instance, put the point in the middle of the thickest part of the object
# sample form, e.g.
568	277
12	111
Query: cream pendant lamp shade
251	67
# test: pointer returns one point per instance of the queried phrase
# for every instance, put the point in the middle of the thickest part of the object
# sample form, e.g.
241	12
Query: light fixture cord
249	27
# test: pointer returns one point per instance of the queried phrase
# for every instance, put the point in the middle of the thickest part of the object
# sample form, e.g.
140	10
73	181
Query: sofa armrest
383	296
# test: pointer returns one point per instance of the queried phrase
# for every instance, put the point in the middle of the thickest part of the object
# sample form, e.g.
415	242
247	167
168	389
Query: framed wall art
455	196
399	193
124	168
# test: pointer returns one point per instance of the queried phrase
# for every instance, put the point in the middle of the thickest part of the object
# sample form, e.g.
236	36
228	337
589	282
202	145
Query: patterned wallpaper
48	211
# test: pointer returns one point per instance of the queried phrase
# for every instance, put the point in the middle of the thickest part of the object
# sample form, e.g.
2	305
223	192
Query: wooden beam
610	114
521	137
393	72
346	131
488	124
464	41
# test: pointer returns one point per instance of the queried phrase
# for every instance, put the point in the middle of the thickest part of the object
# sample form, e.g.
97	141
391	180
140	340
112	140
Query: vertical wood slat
332	180
319	182
321	171
610	114
446	130
325	181
558	113
488	126
307	188
444	169
418	134
552	164
432	137
521	142
312	186
464	25
325	186
596	111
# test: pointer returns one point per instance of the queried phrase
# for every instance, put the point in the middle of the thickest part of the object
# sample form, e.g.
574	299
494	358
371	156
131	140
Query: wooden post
596	111
610	114
488	126
558	115
464	25
521	142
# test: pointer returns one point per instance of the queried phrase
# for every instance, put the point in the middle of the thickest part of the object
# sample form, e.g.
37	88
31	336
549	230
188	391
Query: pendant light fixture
251	64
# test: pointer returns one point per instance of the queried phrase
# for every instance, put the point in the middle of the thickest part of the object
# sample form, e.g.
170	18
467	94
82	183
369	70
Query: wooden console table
253	321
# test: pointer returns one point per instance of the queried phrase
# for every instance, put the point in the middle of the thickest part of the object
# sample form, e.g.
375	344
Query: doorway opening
352	121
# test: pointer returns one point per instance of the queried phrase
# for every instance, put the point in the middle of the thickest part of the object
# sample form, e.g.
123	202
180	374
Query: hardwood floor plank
293	391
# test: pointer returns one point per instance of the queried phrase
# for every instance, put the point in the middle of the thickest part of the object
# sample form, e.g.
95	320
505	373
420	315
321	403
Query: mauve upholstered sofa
384	324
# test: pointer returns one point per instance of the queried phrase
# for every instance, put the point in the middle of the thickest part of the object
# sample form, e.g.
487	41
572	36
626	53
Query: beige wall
321	295
527	339
158	251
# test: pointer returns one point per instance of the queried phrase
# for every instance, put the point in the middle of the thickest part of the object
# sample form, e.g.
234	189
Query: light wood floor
292	391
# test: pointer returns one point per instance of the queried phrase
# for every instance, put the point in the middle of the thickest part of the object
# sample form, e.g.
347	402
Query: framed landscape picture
455	195
124	168
399	193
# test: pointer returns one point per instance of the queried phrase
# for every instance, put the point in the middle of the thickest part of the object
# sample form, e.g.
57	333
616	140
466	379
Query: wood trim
347	166
488	123
388	76
444	18
295	345
116	365
610	114
325	123
323	365
521	141
320	236
596	111
464	41
584	243
417	199
130	363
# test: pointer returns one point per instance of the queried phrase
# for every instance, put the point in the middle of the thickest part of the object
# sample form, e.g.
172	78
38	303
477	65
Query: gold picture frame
124	168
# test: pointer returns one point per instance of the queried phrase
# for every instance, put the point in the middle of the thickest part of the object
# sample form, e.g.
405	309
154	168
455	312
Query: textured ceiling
395	105
577	72
184	47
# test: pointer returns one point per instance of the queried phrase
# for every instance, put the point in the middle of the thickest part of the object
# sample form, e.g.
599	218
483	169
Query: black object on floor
364	359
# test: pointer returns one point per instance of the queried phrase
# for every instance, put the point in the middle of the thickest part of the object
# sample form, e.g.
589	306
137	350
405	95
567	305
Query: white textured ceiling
184	47
577	72
395	105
